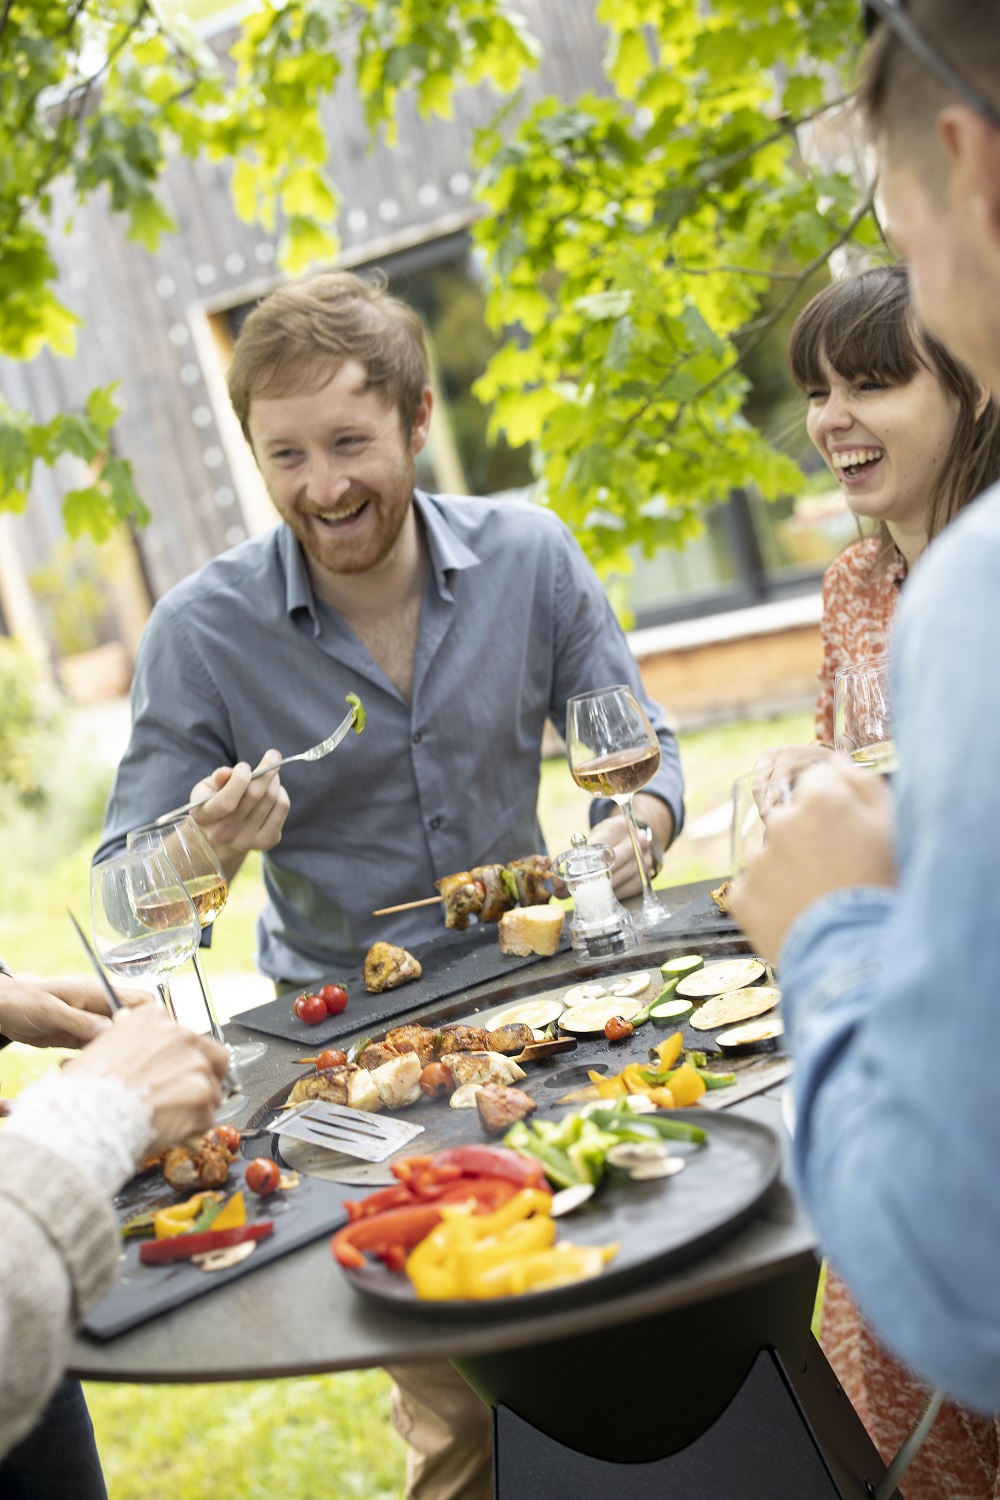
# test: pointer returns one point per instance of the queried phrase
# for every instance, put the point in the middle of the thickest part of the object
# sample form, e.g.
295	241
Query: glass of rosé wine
613	751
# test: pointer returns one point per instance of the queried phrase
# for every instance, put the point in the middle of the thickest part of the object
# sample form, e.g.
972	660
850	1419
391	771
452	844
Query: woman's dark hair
865	325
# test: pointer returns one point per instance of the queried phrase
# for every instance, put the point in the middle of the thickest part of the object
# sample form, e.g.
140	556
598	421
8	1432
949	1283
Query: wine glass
613	751
755	794
143	920
862	723
748	825
204	879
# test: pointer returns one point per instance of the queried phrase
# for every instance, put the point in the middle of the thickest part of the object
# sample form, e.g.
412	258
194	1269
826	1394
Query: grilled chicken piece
387	967
495	898
462	898
721	896
462	1039
331	1084
418	1039
531	873
205	1167
361	1091
510	1039
398	1081
481	1067
375	1054
499	1108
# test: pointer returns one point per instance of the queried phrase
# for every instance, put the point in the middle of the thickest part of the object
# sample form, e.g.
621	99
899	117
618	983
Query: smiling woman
910	436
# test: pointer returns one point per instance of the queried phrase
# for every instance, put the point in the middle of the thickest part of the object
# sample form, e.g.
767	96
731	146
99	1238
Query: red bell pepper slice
488	1193
397	1196
377	1232
407	1165
494	1161
183	1246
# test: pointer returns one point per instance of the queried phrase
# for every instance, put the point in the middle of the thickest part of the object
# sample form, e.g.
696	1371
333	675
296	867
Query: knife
110	995
230	1084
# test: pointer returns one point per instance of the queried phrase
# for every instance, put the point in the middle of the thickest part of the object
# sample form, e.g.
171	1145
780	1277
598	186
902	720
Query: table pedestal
727	1397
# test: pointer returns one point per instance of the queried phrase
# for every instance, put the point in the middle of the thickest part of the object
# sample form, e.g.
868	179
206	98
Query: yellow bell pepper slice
634	1079
608	1088
179	1217
662	1096
669	1051
560	1267
232	1215
686	1085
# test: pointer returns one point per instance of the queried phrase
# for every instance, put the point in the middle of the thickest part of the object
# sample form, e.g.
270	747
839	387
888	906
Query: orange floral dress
960	1458
860	590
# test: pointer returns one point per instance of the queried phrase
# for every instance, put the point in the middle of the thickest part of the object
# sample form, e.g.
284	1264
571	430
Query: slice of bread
531	929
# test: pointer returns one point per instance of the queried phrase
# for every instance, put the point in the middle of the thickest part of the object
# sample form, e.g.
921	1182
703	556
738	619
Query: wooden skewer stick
386	911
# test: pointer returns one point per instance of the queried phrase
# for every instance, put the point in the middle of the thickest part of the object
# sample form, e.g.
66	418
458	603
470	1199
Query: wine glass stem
648	898
213	1019
166	999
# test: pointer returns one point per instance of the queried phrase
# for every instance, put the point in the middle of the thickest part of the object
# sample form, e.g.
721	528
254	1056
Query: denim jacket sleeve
893	1001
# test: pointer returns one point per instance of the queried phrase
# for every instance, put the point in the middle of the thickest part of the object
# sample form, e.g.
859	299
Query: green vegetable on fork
360	717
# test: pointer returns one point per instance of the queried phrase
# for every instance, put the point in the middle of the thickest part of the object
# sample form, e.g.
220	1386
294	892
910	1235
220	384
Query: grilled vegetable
360	717
184	1246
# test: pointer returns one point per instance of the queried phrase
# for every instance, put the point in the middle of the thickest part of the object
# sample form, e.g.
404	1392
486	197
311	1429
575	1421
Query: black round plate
656	1224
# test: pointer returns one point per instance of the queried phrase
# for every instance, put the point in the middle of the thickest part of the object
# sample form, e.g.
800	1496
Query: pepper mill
601	928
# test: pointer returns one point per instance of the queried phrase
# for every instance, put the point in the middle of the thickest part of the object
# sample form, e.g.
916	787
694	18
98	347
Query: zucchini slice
680	968
671	1010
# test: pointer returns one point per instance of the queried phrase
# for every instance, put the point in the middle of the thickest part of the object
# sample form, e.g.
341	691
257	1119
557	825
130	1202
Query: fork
317	752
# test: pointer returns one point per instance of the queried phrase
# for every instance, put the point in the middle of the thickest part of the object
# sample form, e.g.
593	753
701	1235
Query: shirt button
434	825
416	737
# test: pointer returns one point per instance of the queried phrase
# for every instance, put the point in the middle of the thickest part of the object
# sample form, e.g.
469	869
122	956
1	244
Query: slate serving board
656	1224
697	915
142	1292
451	963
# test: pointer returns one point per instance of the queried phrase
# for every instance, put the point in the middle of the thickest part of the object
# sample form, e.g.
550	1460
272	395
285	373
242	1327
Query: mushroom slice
465	1097
632	984
668	1168
634	1155
581	992
568	1199
224	1260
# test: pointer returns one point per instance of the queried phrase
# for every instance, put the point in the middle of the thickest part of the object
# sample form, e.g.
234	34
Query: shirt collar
448	553
298	586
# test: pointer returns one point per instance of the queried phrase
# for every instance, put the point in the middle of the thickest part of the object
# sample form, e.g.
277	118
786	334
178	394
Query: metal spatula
355	1132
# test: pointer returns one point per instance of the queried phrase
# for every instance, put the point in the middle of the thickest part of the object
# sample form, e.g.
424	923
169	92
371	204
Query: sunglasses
899	23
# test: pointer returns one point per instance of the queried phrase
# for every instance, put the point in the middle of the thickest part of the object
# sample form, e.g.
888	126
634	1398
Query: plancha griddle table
698	1379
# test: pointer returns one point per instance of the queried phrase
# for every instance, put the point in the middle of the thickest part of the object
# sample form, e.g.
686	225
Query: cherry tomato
331	1058
334	997
229	1136
436	1079
262	1175
311	1009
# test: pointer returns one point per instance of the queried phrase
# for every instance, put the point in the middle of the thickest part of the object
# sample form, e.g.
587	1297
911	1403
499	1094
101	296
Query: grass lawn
293	1439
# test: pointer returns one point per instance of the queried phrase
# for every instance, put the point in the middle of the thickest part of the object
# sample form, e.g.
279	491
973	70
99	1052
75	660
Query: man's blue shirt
893	999
241	657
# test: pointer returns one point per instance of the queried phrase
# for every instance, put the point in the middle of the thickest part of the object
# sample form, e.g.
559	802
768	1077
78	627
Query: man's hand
837	832
56	1012
775	773
178	1072
244	814
614	832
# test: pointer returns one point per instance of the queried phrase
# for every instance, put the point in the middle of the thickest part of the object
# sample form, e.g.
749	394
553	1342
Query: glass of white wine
204	879
143	920
862	722
613	751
